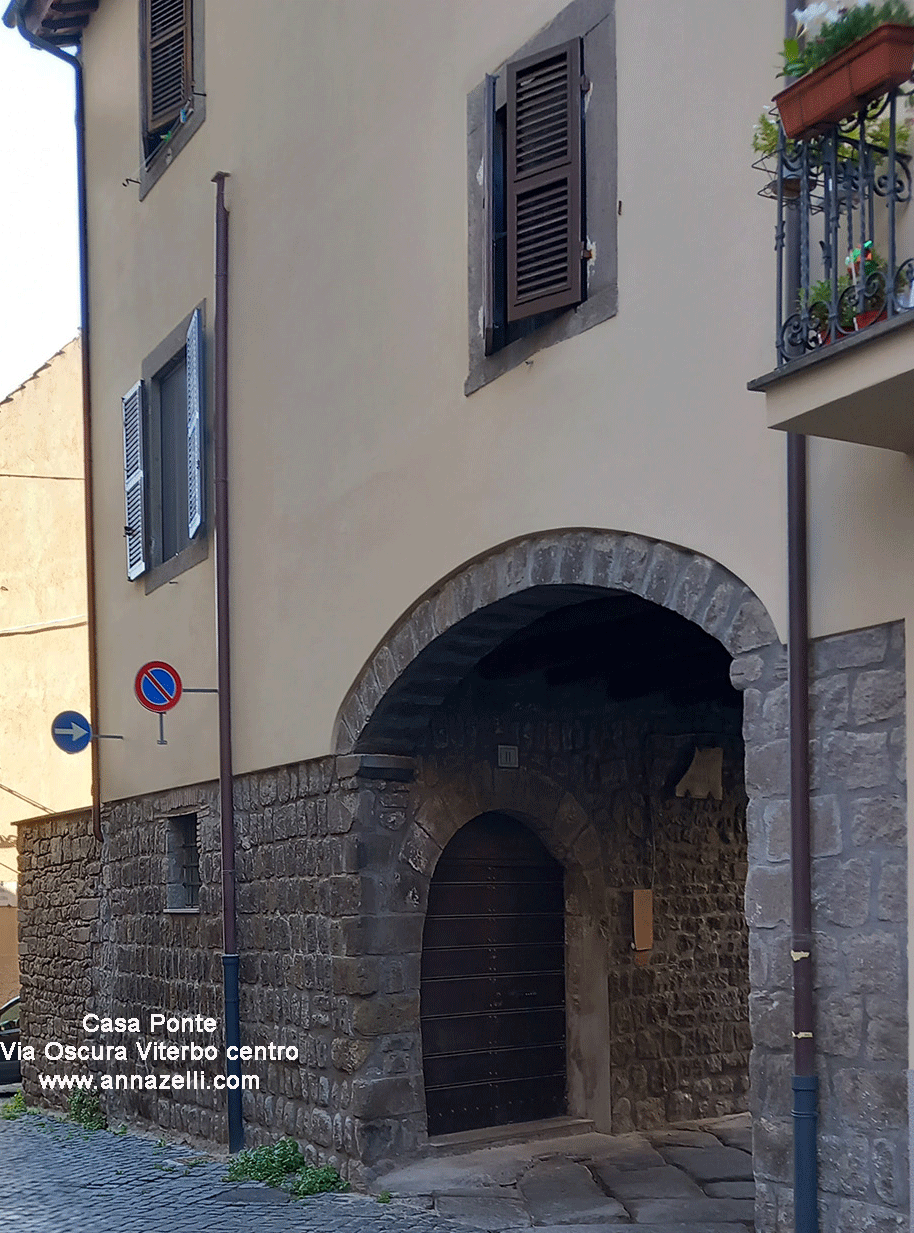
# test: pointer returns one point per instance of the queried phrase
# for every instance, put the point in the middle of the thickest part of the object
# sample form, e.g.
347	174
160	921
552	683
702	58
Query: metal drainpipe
805	1080
14	16
230	961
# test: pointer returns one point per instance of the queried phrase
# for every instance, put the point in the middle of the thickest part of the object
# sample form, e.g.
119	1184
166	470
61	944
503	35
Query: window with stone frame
164	431
172	95
542	192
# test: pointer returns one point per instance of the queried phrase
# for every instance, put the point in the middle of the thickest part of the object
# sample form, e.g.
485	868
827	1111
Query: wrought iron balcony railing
849	186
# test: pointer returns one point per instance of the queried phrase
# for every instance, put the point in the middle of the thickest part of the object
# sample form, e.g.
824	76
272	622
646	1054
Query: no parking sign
157	686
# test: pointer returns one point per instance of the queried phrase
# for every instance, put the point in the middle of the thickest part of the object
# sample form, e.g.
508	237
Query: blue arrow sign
71	732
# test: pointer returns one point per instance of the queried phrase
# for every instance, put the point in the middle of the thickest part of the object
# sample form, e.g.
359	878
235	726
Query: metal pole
226	801
805	1083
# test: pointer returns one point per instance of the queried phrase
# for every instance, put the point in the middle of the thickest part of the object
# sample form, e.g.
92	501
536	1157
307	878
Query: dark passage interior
614	700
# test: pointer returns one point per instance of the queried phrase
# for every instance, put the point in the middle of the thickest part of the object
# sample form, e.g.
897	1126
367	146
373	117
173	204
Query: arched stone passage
391	727
451	629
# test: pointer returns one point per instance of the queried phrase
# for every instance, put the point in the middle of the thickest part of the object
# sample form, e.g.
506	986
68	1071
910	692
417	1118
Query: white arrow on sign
74	732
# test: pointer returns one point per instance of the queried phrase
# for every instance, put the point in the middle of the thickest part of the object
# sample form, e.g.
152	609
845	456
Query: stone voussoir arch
550	810
467	615
555	815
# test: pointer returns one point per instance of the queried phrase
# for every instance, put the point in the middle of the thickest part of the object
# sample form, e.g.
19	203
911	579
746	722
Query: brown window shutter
544	181
168	61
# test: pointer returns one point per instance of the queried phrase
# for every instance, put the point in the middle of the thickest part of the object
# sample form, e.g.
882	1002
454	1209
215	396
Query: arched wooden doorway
493	980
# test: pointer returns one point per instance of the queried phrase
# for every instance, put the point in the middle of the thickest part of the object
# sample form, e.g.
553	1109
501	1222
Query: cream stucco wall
360	473
43	637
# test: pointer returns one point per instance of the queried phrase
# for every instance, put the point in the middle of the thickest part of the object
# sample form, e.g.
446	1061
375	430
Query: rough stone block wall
322	966
860	926
59	937
678	1025
316	972
156	961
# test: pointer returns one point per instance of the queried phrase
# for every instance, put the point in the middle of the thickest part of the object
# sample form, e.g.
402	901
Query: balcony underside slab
860	389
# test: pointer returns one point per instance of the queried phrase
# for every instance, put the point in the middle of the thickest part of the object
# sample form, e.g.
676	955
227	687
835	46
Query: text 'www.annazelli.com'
188	1080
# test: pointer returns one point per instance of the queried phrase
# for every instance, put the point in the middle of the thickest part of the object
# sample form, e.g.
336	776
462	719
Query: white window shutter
195	376
134	482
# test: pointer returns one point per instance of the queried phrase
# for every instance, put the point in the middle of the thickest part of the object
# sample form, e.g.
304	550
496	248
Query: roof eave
60	22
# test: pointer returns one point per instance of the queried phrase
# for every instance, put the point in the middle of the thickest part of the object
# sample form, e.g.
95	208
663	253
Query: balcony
845	282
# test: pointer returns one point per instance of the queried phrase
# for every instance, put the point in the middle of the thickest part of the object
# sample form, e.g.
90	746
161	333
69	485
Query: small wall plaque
643	918
507	757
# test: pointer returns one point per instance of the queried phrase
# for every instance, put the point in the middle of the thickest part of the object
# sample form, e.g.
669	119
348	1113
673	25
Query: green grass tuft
316	1180
14	1108
85	1109
282	1164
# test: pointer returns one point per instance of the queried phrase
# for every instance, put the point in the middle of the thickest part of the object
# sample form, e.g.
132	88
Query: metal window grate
183	889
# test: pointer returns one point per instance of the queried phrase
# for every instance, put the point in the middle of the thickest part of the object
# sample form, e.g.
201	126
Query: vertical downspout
805	1081
83	213
226	800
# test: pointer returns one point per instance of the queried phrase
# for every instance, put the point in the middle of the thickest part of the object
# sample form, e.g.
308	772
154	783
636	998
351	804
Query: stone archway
382	735
415	667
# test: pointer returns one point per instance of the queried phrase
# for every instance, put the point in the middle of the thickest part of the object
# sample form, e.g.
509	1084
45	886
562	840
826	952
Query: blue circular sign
71	732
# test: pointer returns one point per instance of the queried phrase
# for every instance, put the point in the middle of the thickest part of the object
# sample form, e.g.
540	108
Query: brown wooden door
493	980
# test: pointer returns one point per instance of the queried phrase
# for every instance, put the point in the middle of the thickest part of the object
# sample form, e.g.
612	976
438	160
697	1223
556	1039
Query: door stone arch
559	821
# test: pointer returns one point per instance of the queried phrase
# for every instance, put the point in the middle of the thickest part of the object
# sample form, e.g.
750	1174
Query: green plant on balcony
871	279
765	135
828	28
841	60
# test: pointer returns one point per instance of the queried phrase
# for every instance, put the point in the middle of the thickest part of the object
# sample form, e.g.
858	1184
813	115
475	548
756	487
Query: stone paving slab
731	1190
711	1164
734	1131
486	1212
564	1191
699	1212
497	1166
626	1152
666	1182
675	1136
641	1228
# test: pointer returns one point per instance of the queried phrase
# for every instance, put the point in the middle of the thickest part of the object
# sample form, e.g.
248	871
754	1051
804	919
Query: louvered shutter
544	181
168	61
134	482
195	372
488	214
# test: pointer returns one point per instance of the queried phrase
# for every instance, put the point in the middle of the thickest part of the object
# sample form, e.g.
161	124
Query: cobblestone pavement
58	1178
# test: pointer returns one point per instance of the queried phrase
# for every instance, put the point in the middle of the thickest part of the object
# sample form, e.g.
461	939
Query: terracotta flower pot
868	317
873	65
